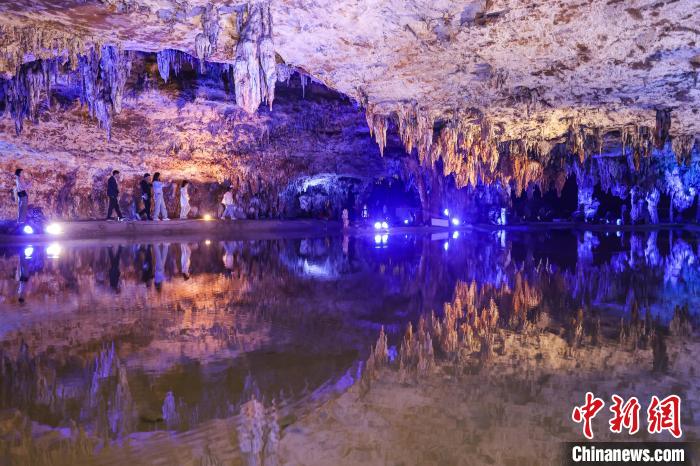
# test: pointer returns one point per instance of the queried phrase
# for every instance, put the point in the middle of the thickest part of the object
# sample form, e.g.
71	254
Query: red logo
665	415
625	415
587	412
662	415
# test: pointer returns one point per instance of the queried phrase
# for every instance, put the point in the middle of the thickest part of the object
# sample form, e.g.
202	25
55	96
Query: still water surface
111	349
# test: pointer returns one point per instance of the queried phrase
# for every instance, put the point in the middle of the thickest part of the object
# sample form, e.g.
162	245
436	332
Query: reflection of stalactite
258	433
169	411
681	325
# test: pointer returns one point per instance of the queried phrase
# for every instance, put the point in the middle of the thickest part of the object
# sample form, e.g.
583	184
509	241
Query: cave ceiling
527	65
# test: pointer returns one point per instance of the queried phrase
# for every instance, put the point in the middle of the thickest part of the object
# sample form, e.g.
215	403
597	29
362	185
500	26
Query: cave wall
188	128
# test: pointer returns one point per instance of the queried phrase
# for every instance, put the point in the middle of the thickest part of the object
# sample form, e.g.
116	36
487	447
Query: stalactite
42	43
305	81
682	146
102	78
23	93
210	24
377	127
415	130
173	60
663	125
202	48
639	140
255	67
284	73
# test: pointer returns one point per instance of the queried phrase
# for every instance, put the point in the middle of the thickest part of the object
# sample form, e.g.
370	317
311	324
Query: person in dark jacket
113	195
146	194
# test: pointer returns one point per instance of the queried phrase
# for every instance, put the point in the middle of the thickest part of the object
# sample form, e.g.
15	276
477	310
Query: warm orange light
207	217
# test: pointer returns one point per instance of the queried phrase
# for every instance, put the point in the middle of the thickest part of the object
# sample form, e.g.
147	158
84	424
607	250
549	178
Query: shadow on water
206	351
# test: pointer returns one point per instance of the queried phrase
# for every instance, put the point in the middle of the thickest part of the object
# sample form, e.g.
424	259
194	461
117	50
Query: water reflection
121	343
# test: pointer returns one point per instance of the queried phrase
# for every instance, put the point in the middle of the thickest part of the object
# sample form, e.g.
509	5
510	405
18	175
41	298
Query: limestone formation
498	96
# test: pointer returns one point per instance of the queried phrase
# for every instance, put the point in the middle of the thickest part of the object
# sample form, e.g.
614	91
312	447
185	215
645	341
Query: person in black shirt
146	193
113	195
114	272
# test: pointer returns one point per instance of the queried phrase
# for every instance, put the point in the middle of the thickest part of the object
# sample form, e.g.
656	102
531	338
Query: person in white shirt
159	208
185	253
184	199
227	201
21	195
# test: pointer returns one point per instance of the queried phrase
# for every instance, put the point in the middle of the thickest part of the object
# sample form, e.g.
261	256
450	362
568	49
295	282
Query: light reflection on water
124	340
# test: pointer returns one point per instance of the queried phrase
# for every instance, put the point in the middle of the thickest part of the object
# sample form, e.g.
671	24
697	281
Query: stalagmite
652	199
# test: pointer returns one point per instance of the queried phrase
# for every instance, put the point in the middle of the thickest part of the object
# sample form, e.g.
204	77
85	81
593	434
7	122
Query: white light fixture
54	229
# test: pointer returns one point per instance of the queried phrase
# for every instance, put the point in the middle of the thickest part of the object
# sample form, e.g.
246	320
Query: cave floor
270	229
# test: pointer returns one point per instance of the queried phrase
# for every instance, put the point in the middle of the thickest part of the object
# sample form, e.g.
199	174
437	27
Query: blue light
28	230
28	251
455	235
446	245
385	225
455	221
378	239
405	222
385	239
377	225
446	212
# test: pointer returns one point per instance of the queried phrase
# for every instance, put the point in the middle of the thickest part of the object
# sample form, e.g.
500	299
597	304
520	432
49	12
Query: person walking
184	199
21	186
159	209
113	195
146	196
227	201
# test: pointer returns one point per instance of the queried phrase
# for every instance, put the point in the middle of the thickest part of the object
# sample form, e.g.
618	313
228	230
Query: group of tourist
151	196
